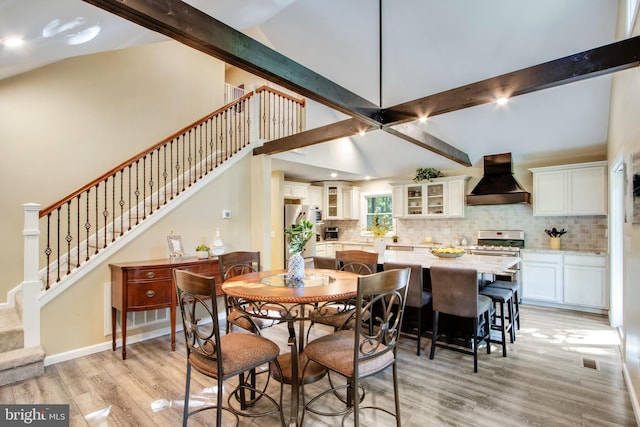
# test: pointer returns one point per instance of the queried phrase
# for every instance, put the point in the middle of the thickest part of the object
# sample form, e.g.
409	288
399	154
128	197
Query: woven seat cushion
240	352
335	351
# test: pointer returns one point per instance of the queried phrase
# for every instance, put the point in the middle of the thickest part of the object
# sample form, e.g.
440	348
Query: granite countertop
482	263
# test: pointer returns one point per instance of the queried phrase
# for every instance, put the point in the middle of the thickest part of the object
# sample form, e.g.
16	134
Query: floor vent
590	363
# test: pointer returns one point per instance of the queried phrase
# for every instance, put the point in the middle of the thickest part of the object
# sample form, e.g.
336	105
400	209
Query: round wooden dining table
271	295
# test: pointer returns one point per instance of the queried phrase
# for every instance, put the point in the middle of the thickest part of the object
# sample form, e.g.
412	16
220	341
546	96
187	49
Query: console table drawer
154	274
149	295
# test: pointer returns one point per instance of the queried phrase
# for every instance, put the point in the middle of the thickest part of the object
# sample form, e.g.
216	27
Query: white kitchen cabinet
397	201
321	249
331	248
351	203
578	189
357	247
341	201
294	190
542	276
332	200
439	198
314	196
585	281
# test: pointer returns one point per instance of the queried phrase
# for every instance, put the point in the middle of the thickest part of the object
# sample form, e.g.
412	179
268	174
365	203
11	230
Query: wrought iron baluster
144	188
137	192
47	252
164	171
87	224
78	229
121	202
97	220
150	182
68	237
105	211
129	197
190	158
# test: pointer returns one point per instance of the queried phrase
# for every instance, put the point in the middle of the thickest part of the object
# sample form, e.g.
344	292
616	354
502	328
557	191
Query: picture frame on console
176	249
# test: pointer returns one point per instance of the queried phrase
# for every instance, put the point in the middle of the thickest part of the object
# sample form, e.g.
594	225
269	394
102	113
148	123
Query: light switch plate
226	214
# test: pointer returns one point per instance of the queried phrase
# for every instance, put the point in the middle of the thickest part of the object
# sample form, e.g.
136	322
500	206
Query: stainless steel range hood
498	186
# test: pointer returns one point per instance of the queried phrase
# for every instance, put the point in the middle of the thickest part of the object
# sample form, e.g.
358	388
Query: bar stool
513	286
501	297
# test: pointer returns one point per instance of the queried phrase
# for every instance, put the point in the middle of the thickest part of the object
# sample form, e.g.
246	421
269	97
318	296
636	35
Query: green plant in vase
297	236
426	174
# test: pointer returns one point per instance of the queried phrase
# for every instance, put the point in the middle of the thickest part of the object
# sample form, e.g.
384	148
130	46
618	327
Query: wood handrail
46	211
132	160
280	93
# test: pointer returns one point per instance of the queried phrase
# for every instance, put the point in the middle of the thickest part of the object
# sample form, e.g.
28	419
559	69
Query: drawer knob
150	294
151	275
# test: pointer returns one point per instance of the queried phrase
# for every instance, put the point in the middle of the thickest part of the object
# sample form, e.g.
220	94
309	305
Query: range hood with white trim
498	186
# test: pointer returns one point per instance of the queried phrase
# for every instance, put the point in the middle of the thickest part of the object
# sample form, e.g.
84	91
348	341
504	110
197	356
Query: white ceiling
428	46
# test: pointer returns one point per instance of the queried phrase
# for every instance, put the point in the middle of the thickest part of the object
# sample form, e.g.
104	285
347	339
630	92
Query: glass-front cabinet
441	197
435	198
414	200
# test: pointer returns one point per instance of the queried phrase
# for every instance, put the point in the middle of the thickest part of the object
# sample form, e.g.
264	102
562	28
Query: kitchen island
483	263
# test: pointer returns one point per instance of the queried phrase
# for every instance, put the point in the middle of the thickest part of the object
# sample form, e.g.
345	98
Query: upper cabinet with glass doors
438	198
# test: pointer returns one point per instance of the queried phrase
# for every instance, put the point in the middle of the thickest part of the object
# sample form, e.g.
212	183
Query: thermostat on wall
226	214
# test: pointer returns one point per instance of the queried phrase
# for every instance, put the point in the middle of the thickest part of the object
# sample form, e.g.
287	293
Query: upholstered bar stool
513	287
501	298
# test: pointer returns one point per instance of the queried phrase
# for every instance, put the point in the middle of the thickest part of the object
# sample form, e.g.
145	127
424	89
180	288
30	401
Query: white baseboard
632	394
97	348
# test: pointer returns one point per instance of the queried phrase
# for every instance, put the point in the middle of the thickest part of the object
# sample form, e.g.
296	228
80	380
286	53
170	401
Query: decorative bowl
448	253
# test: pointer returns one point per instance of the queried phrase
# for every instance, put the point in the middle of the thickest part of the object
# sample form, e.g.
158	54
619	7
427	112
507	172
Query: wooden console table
148	285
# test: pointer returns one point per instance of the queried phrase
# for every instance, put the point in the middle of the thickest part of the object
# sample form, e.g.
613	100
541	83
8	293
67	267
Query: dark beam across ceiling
342	129
415	135
190	26
596	62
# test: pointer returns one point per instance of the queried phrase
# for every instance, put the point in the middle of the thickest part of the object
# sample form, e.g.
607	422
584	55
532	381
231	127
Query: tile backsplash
583	232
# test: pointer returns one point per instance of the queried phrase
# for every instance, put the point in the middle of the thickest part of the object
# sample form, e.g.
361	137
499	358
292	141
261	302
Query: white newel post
32	285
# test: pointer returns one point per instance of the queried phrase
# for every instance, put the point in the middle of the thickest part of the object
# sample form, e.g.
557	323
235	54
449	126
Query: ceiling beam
342	129
194	28
596	62
415	135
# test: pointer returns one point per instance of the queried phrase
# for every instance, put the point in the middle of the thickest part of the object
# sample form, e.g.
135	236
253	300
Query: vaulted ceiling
396	51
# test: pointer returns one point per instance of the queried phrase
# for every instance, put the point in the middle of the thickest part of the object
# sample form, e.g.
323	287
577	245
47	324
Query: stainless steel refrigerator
292	215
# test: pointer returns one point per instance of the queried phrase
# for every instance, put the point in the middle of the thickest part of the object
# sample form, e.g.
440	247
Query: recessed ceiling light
12	41
362	133
334	175
502	100
423	119
367	178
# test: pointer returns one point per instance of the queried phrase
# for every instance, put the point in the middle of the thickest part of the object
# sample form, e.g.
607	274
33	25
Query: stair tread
20	357
9	320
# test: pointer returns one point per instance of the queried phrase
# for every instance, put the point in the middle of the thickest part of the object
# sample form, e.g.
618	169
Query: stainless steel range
501	243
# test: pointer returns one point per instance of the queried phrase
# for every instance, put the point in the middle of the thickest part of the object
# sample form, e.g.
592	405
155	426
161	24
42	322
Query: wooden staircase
131	193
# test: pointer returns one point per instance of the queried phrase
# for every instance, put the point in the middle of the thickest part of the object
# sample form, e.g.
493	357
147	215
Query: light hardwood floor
542	382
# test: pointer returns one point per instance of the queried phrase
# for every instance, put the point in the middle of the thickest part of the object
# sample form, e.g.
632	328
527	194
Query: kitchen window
376	204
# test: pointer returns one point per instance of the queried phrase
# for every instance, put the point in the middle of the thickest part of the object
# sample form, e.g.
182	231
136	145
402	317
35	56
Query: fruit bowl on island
449	252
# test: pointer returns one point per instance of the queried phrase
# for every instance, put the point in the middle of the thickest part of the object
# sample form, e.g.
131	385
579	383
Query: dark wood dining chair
217	355
363	351
234	264
324	262
354	261
455	292
418	300
357	261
